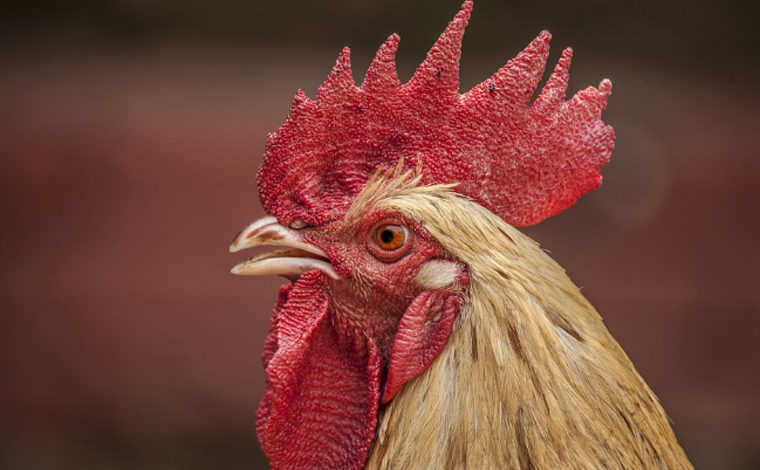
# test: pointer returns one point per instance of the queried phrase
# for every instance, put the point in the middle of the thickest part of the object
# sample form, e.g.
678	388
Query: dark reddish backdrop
130	133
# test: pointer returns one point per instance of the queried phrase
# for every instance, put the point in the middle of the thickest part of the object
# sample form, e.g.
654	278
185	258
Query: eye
390	240
390	237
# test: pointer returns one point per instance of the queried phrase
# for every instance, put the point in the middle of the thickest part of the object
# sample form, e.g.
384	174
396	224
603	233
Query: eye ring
390	240
390	237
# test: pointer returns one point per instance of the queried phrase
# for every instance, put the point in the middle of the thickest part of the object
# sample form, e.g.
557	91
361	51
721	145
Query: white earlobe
437	274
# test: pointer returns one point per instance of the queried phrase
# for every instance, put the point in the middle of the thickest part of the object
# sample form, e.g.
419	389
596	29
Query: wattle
320	406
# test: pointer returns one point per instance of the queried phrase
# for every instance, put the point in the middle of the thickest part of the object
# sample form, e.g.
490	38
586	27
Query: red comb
524	162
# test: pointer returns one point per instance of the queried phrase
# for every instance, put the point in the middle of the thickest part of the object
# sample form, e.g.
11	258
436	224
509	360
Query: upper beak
288	263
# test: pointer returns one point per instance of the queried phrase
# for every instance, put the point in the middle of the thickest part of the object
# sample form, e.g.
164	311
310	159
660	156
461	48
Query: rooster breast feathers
530	377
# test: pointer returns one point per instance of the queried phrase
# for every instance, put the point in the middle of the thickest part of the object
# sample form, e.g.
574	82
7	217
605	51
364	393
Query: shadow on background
130	134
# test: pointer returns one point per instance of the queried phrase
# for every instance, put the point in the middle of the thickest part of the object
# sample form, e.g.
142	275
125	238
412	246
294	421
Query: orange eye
390	237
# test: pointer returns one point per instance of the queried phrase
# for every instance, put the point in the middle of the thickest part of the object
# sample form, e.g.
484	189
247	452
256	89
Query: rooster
420	329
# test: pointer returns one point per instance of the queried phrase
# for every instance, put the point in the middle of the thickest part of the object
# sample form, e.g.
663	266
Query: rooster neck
530	377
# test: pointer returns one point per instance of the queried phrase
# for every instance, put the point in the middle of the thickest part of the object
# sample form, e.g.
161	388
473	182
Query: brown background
130	133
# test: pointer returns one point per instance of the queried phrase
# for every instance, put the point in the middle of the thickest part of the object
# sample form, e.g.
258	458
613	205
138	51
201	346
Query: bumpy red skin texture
332	344
422	334
523	161
320	406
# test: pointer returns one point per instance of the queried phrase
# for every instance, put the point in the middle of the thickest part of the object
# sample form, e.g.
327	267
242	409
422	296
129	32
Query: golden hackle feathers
530	377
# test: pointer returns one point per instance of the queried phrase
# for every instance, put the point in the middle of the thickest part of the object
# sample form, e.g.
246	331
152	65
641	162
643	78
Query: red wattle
320	407
422	333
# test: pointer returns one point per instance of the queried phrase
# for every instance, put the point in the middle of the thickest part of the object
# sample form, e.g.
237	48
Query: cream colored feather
530	377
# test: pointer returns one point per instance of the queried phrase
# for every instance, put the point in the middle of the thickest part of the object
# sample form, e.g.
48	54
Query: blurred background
130	135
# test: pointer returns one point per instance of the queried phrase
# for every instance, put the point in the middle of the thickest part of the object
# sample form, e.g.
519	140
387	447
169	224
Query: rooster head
373	296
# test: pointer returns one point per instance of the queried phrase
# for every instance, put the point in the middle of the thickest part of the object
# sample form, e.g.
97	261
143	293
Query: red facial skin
333	342
376	292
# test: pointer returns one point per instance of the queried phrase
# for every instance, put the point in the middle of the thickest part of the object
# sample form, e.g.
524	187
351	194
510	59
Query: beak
290	263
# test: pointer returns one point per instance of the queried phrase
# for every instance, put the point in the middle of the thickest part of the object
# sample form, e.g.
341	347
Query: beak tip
237	269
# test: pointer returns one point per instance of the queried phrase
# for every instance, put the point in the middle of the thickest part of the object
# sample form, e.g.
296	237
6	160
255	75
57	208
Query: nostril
298	224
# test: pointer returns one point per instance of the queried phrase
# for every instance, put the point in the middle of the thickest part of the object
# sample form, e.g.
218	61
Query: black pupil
387	236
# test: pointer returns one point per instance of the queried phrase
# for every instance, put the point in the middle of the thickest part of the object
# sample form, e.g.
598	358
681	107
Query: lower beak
302	256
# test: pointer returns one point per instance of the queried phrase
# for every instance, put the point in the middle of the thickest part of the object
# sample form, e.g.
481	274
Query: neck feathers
530	377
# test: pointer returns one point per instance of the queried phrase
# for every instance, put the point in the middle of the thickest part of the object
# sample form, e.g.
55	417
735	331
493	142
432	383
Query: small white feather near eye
437	274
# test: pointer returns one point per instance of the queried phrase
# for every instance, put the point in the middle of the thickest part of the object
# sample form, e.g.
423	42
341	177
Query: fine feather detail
530	377
437	274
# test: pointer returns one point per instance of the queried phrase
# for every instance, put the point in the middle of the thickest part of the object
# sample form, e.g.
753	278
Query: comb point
381	74
439	72
340	81
605	86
